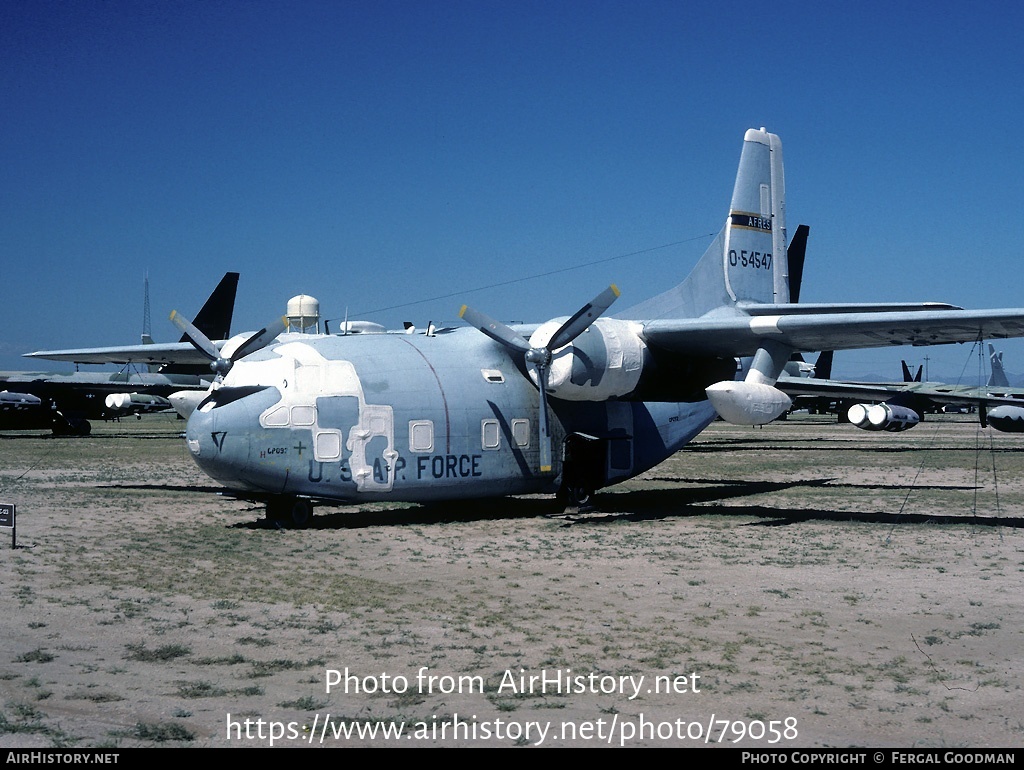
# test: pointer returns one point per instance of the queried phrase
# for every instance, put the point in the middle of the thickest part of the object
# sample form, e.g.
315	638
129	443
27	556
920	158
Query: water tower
304	314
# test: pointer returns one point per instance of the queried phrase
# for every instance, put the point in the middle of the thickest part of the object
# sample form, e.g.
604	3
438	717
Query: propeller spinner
218	363
540	356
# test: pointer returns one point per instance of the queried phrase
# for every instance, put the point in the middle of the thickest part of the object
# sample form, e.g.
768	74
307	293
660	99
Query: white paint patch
302	375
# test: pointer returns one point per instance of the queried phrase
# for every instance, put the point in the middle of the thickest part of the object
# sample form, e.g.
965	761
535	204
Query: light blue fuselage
412	418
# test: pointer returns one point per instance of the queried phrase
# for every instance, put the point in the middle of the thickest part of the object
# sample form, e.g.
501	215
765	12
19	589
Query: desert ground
802	585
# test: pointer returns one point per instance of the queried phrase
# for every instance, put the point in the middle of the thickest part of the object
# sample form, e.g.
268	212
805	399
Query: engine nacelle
747	403
888	417
15	401
604	362
134	403
185	402
1009	419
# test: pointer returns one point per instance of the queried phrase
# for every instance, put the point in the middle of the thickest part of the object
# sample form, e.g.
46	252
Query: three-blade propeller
540	356
218	363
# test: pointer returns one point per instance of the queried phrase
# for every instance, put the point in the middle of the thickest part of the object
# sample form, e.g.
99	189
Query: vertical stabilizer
823	366
756	267
747	261
998	378
214	318
795	253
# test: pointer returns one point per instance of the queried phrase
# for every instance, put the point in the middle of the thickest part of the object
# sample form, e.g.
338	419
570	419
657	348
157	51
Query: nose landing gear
293	512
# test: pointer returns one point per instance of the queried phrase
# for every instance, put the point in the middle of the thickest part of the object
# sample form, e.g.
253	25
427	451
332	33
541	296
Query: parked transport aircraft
567	406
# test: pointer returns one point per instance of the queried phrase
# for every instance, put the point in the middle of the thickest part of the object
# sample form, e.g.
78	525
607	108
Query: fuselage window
328	445
490	434
303	415
521	432
421	436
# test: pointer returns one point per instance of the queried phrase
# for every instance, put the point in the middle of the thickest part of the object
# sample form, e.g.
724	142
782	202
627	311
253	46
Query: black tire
300	513
293	512
575	494
70	427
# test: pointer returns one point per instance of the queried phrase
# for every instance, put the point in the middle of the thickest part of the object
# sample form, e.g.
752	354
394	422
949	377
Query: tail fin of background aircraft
795	253
906	373
747	262
823	366
998	377
214	319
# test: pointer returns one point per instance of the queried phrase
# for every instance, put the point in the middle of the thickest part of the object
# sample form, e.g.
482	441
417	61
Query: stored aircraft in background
568	406
899	406
65	403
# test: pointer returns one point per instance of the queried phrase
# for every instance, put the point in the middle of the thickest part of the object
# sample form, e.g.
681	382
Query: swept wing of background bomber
899	406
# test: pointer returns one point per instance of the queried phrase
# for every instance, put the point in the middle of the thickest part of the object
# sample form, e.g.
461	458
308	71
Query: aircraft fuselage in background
64	403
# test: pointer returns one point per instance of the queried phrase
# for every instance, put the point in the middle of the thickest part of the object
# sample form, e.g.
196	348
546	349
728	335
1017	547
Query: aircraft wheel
71	427
575	494
276	509
300	513
294	512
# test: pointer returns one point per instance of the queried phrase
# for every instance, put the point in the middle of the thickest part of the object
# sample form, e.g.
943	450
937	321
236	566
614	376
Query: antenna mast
147	327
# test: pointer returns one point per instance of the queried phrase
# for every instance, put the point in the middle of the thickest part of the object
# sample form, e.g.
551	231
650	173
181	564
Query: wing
742	334
167	353
911	392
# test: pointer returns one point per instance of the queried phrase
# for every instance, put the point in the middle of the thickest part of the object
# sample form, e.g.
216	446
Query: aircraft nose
219	431
201	434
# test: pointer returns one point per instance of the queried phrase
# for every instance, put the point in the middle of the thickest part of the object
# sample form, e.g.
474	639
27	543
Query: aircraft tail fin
823	366
998	377
795	254
214	319
747	262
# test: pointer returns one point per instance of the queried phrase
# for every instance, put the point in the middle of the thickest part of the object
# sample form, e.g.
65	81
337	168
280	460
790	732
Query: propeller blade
540	357
199	340
542	423
585	316
496	330
260	339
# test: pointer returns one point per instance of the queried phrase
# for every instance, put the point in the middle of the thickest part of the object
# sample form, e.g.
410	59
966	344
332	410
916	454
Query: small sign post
7	519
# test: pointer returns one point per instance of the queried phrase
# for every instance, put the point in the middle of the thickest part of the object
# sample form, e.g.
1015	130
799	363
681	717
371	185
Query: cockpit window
278	418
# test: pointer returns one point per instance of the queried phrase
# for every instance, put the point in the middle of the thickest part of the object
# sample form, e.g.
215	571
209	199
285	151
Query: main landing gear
70	426
574	495
582	462
294	512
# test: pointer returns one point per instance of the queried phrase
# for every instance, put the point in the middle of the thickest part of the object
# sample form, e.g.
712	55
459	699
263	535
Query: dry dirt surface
802	585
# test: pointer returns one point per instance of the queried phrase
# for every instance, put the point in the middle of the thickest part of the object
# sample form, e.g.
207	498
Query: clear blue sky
376	154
